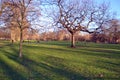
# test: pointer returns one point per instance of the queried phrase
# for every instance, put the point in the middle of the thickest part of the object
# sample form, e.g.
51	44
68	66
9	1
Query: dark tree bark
72	40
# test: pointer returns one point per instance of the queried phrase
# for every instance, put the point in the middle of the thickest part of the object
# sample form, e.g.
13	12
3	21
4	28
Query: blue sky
114	6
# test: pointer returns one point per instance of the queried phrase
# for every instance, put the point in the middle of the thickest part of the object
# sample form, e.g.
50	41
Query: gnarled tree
81	15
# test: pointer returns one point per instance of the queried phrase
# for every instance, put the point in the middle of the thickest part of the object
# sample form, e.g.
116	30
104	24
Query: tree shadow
57	68
32	74
1	46
10	73
103	52
35	74
56	65
104	73
86	51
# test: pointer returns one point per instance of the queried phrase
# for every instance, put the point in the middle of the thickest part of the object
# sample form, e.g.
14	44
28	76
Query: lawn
57	61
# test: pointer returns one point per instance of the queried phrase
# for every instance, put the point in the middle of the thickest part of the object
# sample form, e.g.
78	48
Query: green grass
57	61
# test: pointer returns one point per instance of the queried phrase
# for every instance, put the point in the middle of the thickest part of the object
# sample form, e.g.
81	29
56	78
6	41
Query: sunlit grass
57	61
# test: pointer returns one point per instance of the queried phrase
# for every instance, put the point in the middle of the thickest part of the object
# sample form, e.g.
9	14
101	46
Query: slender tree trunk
12	41
20	44
72	40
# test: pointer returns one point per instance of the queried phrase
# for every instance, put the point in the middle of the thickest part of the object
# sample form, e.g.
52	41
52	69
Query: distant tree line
4	34
111	35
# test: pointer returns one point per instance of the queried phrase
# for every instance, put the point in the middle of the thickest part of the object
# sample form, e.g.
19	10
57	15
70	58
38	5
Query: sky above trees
114	6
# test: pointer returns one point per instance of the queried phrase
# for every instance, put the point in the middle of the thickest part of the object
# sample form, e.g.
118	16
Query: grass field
57	61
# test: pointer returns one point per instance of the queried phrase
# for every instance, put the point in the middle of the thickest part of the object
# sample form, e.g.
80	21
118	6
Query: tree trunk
20	44
72	40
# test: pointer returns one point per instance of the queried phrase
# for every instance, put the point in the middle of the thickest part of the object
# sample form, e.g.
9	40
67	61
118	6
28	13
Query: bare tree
19	16
80	15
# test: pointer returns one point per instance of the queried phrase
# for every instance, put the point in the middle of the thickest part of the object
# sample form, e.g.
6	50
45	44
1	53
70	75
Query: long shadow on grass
102	50
88	52
9	71
54	61
32	74
84	51
104	65
1	46
106	54
57	68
